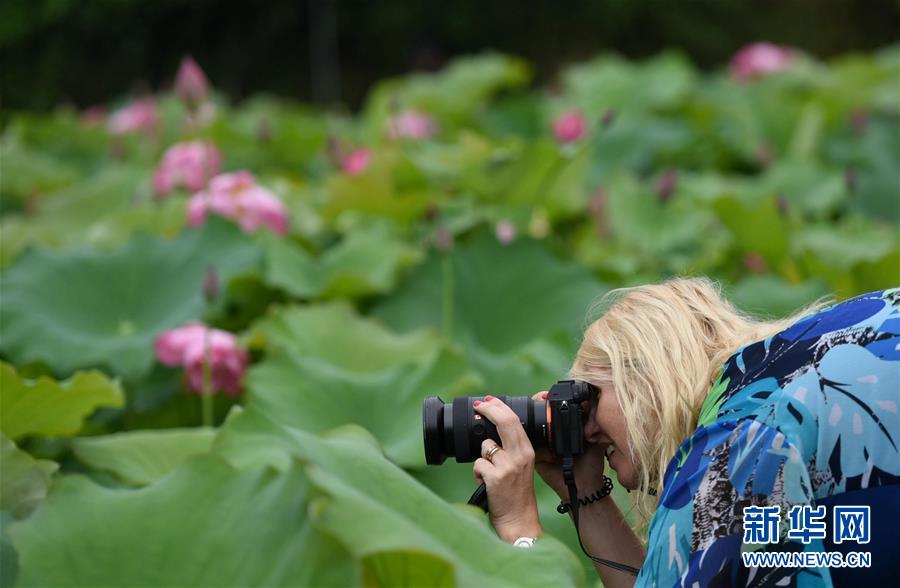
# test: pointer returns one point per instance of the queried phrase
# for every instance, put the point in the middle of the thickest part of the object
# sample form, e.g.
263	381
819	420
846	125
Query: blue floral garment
807	416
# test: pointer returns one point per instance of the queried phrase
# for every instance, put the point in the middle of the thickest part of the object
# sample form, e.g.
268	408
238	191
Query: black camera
456	430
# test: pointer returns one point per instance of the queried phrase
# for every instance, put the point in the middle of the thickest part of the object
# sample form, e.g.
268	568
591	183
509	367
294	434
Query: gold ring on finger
491	452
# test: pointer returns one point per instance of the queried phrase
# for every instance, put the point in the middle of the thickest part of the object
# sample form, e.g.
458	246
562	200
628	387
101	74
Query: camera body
568	416
456	430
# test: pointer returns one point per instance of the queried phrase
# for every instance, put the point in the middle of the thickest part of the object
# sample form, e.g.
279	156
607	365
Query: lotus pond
219	321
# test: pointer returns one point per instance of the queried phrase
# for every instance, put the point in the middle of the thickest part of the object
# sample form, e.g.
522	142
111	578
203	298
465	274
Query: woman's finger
512	435
540	395
482	469
487	446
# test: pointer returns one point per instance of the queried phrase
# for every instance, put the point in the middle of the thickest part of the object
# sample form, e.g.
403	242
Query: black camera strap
568	465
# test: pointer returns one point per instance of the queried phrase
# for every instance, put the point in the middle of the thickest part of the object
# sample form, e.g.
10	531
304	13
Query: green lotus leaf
61	134
328	366
367	262
23	479
757	227
813	188
269	134
848	244
519	344
855	256
314	395
36	171
9	559
612	82
380	192
142	457
454	94
205	524
871	160
537	174
665	236
46	407
773	297
500	297
88	307
334	334
454	483
402	532
103	210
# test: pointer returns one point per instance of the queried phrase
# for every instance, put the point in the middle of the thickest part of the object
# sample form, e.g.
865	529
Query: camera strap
568	465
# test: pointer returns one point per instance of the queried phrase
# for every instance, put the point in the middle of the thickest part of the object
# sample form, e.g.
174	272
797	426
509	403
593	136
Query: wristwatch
525	542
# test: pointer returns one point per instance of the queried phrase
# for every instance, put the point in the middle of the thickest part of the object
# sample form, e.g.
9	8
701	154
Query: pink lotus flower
237	196
187	165
356	162
667	184
139	116
505	231
758	59
443	239
755	263
191	84
192	345
411	124
570	126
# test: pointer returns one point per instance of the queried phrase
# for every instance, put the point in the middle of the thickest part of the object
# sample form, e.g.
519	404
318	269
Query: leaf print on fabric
805	415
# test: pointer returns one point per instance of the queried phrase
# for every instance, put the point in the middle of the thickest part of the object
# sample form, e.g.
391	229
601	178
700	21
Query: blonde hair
662	347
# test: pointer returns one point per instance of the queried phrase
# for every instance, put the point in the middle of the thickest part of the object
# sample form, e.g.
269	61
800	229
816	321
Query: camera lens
454	429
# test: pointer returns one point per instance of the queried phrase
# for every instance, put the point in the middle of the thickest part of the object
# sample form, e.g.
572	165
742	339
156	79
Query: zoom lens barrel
454	429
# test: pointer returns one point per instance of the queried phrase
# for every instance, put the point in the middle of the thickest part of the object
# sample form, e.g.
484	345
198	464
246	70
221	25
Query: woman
719	412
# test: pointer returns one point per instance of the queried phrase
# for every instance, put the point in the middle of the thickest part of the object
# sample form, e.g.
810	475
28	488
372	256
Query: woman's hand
509	474
588	467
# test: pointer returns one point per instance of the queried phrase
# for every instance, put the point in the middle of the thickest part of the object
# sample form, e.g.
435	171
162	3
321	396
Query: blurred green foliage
391	285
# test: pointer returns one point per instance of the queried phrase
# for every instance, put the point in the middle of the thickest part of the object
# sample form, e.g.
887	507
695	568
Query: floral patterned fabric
807	414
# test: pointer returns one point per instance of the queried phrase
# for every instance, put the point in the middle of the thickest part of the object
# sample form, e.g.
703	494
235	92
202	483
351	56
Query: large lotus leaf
536	175
376	509
366	262
454	94
502	297
756	226
380	191
269	134
109	230
46	407
35	171
454	483
873	160
61	134
813	188
638	142
772	296
104	308
23	479
313	395
853	257
9	559
328	366
530	369
611	82
105	210
849	244
452	162
334	334
206	524
667	235
142	457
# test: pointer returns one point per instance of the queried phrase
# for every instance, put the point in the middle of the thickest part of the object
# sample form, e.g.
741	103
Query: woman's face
606	426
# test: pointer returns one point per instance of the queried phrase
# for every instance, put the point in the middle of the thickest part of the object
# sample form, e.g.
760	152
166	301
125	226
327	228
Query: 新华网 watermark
762	525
